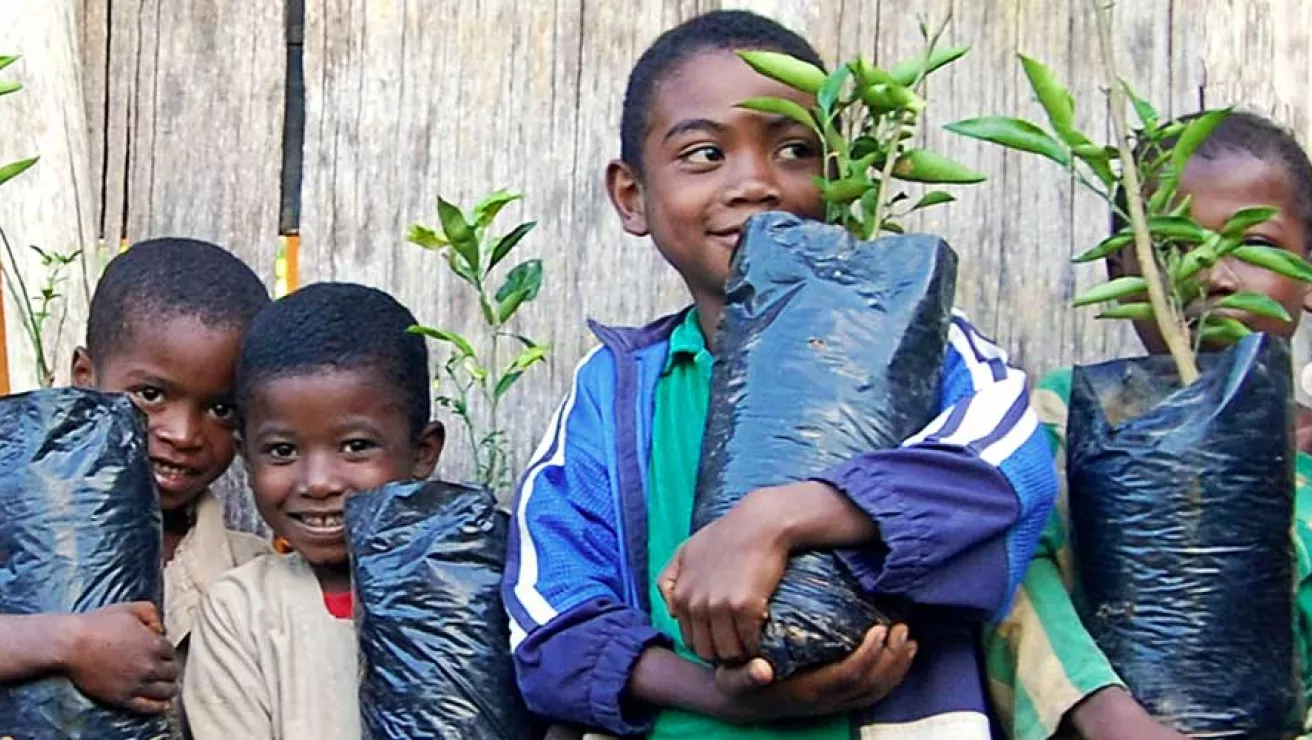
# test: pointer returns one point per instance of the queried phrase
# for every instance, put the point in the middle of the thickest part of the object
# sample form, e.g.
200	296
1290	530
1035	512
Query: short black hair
720	30
338	326
170	278
1242	132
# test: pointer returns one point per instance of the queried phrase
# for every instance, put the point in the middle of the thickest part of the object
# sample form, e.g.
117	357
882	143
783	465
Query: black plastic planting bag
426	564
79	530
1181	505
829	348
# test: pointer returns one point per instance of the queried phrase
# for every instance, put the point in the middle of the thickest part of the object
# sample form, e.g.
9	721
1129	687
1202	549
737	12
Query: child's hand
1112	714
118	655
719	583
862	679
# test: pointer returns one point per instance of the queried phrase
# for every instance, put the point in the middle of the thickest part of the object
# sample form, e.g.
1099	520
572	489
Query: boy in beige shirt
165	327
334	399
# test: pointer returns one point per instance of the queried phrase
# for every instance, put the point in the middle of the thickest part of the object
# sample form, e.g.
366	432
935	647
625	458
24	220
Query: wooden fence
235	120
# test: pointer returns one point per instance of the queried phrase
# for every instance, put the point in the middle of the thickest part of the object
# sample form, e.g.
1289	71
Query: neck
180	520
333	579
709	311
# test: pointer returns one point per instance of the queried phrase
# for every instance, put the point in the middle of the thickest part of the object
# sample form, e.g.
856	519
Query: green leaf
1176	227
10	86
1194	135
509	305
922	165
933	198
786	68
505	383
1279	261
529	357
14	169
1053	96
1122	287
1134	311
5	61
1256	304
1224	330
466	349
525	277
461	268
845	191
1246	218
508	242
884	98
831	89
892	227
1012	133
1109	246
487	209
1148	115
457	230
906	72
1184	207
426	238
782	107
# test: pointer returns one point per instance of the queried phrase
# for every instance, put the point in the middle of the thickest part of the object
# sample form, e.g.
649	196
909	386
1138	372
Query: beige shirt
208	551
267	660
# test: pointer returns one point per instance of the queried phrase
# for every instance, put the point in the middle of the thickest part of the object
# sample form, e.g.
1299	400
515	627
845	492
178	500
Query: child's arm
224	692
582	655
574	639
116	655
949	519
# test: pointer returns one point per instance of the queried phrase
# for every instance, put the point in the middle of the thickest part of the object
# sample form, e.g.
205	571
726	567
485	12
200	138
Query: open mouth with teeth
170	476
326	523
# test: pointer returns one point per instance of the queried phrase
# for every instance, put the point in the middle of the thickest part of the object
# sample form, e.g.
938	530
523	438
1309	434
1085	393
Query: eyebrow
773	124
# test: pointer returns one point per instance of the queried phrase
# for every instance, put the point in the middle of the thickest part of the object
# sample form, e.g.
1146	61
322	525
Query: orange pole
293	262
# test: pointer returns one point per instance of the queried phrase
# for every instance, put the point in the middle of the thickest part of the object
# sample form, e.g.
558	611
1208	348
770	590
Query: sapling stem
1170	322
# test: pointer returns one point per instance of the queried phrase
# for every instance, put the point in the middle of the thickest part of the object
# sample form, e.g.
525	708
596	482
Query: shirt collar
686	342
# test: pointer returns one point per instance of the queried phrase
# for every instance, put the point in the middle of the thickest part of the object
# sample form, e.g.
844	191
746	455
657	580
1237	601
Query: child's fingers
147	614
756	674
668	578
703	642
166	670
158	690
141	705
728	648
749	633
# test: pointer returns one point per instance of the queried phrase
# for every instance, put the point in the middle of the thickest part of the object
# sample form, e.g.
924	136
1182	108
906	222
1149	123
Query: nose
319	479
1222	278
754	182
177	426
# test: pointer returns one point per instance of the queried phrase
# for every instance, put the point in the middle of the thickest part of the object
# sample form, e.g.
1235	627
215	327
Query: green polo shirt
682	395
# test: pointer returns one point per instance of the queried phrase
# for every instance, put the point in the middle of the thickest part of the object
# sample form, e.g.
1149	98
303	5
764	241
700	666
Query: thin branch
1174	330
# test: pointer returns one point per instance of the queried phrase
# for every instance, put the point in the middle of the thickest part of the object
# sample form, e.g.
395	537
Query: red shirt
340	605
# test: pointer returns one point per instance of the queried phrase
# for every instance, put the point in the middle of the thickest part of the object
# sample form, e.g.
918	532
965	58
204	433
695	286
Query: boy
1047	675
165	324
946	522
334	399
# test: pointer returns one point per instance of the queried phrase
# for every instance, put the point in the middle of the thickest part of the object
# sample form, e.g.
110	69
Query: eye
703	155
226	413
279	451
798	150
1257	240
358	446
146	395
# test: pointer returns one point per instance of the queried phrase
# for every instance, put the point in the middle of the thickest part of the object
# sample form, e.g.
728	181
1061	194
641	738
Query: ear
84	370
428	450
624	188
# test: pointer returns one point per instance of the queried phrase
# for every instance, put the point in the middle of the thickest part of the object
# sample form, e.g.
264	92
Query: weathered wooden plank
194	122
49	206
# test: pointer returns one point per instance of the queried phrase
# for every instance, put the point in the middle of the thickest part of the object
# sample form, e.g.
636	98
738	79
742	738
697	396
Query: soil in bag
426	564
79	530
1181	505
829	348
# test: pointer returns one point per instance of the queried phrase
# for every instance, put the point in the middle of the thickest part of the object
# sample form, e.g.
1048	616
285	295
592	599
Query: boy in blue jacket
614	607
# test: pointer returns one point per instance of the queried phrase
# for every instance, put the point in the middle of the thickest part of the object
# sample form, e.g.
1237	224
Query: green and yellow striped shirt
1041	661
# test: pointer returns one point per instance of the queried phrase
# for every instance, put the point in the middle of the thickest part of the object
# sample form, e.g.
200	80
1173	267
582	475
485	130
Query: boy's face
312	440
708	165
1220	187
179	372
